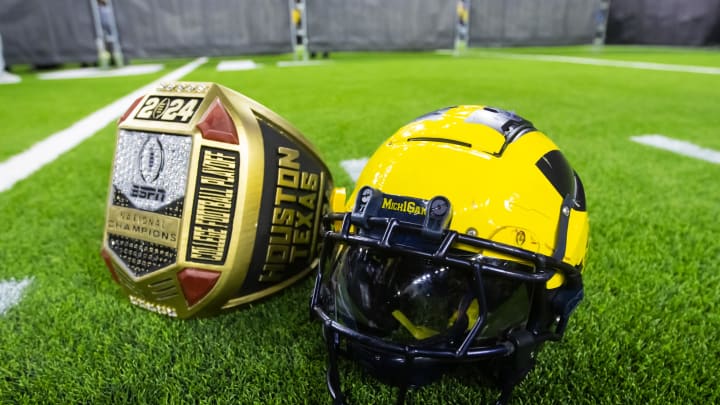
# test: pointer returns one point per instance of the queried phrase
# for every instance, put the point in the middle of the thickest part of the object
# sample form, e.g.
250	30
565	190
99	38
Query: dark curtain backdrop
664	22
46	32
532	22
380	24
43	32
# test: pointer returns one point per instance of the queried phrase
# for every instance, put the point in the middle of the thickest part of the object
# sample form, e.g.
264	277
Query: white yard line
9	78
294	63
11	293
607	62
22	165
234	65
679	147
354	167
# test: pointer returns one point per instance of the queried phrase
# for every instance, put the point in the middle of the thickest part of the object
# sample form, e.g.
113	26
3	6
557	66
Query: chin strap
333	374
510	373
402	394
514	370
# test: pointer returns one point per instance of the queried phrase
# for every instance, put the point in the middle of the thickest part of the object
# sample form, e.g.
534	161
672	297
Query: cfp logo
150	162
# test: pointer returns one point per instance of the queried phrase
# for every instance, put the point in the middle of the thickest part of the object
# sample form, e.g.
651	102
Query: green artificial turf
647	331
36	108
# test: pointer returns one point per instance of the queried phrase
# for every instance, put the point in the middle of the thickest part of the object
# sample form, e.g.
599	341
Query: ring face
148	188
214	201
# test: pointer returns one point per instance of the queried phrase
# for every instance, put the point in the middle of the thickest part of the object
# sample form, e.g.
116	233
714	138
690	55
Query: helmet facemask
409	298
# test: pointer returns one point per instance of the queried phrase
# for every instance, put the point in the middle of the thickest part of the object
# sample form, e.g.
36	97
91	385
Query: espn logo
148	193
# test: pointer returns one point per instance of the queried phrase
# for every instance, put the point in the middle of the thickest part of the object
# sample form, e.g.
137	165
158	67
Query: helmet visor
404	298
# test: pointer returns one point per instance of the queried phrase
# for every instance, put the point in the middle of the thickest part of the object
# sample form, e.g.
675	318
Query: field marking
354	167
680	147
234	65
11	293
9	78
93	72
607	62
295	63
24	164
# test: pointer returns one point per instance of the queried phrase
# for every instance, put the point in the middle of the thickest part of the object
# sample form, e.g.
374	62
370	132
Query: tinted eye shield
391	235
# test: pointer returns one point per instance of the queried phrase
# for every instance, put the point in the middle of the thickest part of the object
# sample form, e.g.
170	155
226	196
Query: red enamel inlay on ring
197	283
108	262
129	110
217	125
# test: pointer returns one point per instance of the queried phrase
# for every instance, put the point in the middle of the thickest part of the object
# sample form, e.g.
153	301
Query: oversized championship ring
214	201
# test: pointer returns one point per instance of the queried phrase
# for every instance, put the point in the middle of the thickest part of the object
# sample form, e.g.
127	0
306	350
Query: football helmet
462	244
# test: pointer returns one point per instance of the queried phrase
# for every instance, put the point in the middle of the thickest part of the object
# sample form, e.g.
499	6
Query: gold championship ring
214	201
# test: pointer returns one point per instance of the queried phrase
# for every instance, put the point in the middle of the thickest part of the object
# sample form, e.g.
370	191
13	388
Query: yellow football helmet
462	243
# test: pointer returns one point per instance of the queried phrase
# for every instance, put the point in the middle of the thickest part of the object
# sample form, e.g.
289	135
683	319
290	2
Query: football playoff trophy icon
214	201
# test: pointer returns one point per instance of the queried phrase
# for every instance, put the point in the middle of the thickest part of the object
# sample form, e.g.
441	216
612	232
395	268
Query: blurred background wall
664	22
44	32
167	28
532	22
47	32
380	24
